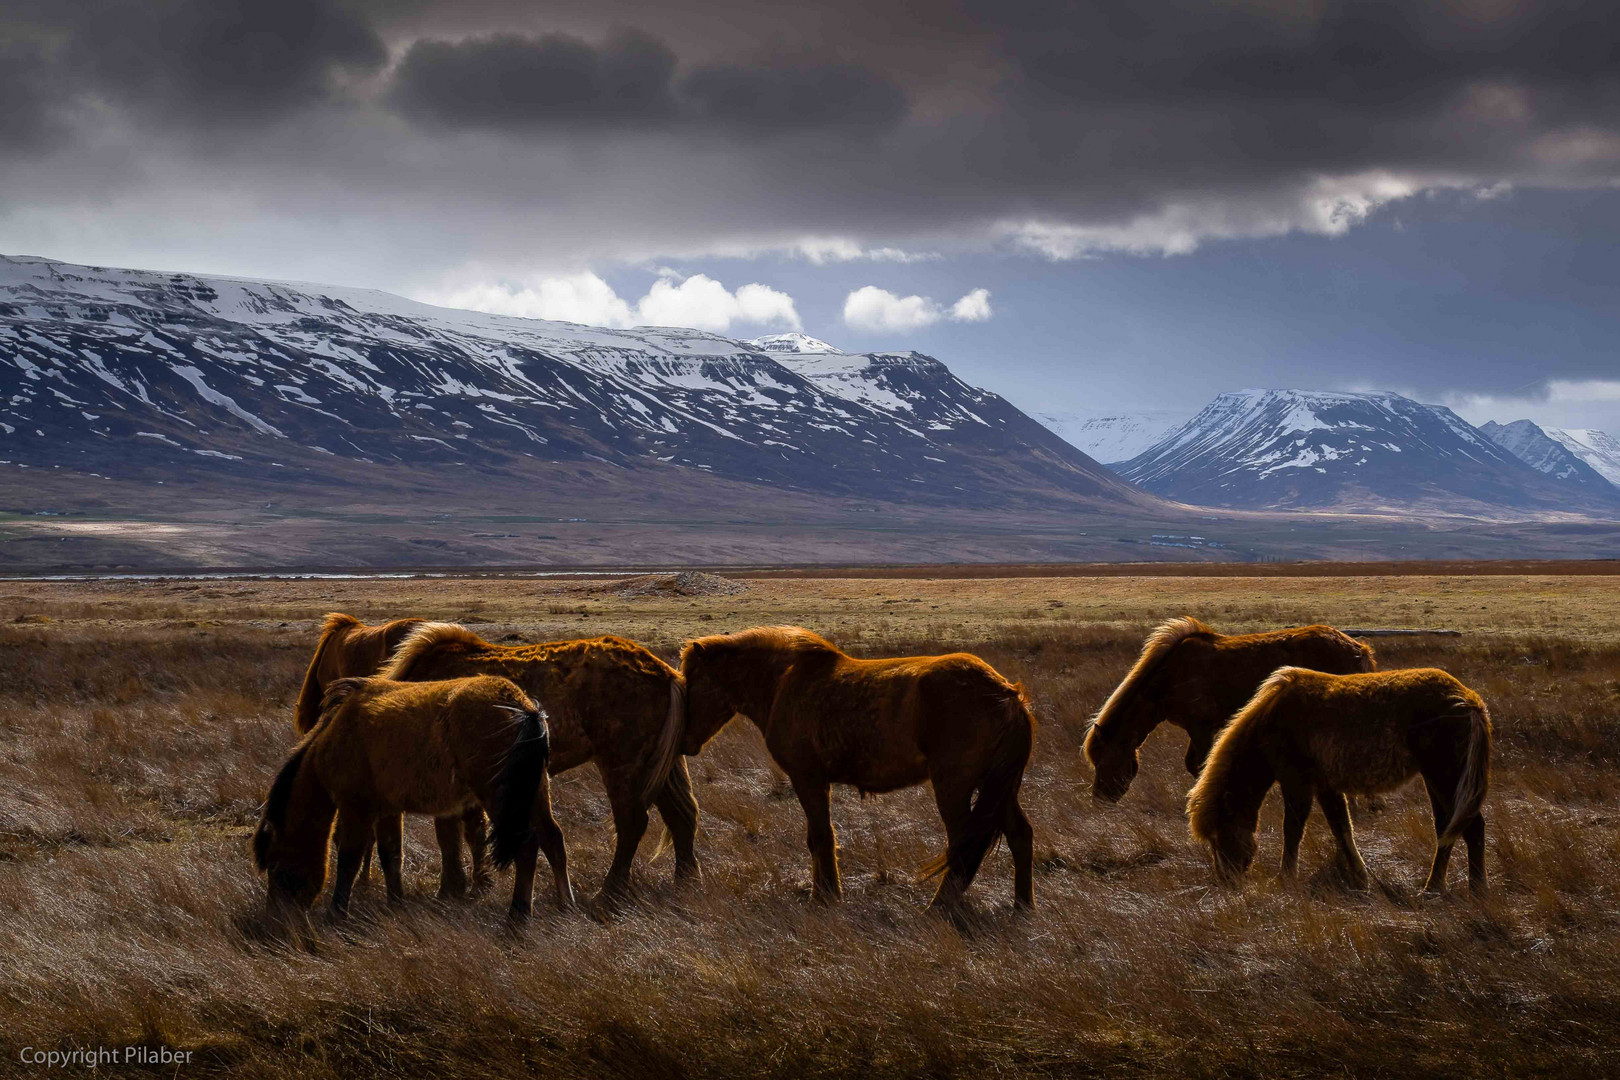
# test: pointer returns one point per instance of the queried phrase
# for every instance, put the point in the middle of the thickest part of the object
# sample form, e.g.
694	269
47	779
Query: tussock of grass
133	759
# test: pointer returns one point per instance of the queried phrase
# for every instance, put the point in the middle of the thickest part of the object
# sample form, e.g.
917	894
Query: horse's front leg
1198	747
1338	818
815	796
551	842
390	841
1296	812
353	836
452	878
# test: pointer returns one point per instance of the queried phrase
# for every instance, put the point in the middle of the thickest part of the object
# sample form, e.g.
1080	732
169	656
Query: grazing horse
383	749
348	648
610	701
1195	678
1330	735
878	725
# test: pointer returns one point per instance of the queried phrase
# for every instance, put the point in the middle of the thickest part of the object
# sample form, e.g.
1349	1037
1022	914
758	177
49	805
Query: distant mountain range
118	371
1112	438
1381	452
1565	453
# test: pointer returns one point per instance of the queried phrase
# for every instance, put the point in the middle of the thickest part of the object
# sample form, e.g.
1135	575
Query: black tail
519	787
1002	779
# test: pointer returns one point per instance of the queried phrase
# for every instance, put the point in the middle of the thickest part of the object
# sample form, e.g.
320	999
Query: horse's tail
1471	786
423	640
519	786
1002	779
309	698
668	747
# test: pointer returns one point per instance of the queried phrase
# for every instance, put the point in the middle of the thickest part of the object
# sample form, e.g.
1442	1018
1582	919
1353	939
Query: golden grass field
140	723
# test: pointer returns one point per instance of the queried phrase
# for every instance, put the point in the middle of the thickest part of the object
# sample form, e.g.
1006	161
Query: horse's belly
1366	767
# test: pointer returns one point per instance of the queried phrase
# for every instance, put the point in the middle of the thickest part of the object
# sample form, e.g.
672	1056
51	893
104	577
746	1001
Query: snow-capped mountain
1536	447
1598	449
794	342
112	370
1114	438
1349	451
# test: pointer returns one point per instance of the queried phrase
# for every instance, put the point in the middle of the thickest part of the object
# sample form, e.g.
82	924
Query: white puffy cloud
837	249
698	302
579	298
974	307
702	303
881	311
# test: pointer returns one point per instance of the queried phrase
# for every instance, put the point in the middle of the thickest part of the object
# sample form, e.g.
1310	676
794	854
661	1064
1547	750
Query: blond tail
1475	779
668	747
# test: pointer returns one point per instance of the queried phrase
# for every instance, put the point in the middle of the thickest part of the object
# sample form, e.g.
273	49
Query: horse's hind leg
1474	837
452	878
679	809
1021	842
389	842
630	823
1440	803
475	826
1338	818
955	803
552	843
815	797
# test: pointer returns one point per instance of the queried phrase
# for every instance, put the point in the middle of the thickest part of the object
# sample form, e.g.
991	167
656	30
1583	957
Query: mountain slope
1111	439
111	370
1598	449
1537	449
1346	451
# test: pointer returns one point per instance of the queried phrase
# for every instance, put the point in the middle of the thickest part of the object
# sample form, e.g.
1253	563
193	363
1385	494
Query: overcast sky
1113	204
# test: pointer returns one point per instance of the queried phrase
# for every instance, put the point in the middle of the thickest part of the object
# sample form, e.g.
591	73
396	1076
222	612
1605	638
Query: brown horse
348	648
382	749
1195	678
878	725
1329	735
610	701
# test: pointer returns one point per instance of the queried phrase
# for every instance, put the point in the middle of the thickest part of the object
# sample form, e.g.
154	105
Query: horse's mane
1165	637
423	640
275	805
309	697
776	638
1204	800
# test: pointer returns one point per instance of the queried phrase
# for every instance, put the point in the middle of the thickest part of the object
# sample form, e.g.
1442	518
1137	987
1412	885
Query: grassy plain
140	722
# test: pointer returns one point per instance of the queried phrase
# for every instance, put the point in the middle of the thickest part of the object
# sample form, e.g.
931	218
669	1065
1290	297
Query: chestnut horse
1196	679
610	701
878	725
348	648
1330	735
382	749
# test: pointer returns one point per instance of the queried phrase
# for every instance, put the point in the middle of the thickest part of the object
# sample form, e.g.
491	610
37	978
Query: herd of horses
417	717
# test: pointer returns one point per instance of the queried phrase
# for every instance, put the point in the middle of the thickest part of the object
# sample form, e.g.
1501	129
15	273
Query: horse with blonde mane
878	725
610	701
348	648
1332	735
383	749
1192	677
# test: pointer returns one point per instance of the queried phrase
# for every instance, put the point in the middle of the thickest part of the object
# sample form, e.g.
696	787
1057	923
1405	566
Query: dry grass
139	726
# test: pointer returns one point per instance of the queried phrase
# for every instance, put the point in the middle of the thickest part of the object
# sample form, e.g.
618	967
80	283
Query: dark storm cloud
215	59
1145	125
509	79
767	98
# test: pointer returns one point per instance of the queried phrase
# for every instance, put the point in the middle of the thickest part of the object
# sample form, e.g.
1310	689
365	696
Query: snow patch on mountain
1112	438
1598	449
1537	448
794	342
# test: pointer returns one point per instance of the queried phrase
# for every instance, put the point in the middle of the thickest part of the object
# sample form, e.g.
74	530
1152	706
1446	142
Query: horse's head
1113	761
708	704
289	845
1232	848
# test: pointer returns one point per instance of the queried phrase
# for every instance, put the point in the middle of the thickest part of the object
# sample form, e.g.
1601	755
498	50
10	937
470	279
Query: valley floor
140	722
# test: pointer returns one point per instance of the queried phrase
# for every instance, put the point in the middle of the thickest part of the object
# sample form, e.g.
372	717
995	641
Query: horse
346	648
1195	678
610	701
1329	735
878	725
383	749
